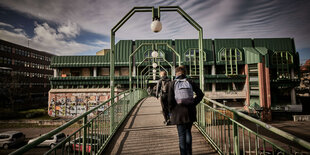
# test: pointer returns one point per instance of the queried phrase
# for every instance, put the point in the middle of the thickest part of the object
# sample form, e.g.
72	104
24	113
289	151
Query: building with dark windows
257	75
24	74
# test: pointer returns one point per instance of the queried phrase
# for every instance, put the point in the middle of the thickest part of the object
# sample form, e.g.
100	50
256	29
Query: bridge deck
145	133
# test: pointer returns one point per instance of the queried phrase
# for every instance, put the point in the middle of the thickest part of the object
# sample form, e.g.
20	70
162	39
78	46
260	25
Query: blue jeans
185	138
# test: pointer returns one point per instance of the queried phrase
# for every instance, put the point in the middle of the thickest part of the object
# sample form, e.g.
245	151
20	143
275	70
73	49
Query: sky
82	27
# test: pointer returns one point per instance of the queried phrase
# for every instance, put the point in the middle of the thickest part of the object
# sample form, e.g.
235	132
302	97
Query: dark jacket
158	86
181	114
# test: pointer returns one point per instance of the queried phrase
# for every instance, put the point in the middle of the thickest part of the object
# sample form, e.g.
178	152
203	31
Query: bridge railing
92	130
233	132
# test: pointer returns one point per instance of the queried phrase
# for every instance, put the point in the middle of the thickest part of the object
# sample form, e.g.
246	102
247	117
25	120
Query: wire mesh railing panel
95	128
231	132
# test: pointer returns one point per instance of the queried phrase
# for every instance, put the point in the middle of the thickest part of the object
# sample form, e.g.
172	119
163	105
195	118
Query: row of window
23	53
28	74
79	86
5	48
23	85
4	60
64	72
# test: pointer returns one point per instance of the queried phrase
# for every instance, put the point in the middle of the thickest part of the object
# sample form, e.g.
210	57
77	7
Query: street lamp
154	65
154	54
156	25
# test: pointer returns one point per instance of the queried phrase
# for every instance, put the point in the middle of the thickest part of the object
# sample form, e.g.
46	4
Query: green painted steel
80	61
231	43
123	49
95	133
276	44
183	45
87	80
228	135
264	51
252	56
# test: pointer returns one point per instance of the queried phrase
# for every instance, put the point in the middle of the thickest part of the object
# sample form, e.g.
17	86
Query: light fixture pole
156	27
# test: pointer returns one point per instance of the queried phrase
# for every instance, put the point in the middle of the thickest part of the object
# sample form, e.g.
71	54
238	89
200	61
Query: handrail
275	130
220	126
66	125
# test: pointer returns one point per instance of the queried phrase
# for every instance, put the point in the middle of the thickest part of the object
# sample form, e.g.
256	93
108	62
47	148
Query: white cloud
69	29
16	37
104	43
6	25
50	40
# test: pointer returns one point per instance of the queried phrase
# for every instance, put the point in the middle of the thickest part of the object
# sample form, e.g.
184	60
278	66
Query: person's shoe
168	122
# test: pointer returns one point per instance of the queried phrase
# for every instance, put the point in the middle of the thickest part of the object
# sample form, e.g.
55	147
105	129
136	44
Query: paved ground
145	133
299	129
32	133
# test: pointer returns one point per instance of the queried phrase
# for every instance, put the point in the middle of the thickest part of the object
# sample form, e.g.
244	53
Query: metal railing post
235	135
111	116
84	135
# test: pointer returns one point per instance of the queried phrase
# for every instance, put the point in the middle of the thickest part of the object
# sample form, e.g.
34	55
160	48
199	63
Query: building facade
24	74
250	74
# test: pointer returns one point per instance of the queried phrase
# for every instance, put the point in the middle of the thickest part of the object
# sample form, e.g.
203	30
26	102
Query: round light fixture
154	65
154	54
156	26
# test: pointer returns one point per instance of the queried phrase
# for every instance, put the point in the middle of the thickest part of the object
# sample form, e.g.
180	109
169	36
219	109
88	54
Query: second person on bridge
162	92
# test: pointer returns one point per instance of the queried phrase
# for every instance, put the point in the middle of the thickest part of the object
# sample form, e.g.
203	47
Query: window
4	136
9	61
282	57
192	55
282	60
7	49
230	54
17	135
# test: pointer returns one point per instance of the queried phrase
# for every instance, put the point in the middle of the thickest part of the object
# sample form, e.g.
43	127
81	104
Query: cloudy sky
82	27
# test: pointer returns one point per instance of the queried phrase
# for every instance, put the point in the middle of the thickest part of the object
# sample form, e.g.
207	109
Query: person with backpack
182	106
162	92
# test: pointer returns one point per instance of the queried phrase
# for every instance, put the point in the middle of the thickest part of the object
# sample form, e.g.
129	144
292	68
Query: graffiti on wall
73	104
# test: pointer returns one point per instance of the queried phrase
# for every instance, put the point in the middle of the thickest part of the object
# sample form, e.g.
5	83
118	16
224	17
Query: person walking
162	93
182	106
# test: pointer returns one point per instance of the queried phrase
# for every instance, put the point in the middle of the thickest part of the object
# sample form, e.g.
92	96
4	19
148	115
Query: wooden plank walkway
145	133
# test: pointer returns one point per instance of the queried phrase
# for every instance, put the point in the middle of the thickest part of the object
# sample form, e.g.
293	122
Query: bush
33	113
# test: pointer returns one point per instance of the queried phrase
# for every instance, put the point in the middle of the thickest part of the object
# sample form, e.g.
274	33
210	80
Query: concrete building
24	74
103	52
250	74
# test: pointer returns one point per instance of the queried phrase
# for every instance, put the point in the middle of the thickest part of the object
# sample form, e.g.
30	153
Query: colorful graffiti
73	104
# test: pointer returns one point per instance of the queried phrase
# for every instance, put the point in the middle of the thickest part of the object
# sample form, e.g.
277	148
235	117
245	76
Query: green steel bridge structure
222	127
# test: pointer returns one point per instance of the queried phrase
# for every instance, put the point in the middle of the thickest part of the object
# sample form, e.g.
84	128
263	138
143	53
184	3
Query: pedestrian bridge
133	124
145	133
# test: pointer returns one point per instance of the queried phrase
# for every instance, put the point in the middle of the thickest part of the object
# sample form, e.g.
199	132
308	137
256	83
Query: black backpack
164	87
